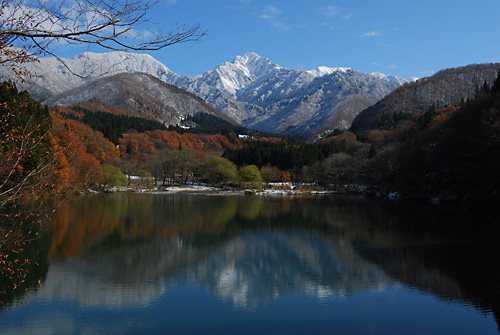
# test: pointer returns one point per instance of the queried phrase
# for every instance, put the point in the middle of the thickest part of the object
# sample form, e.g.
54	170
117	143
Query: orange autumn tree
136	150
84	150
201	144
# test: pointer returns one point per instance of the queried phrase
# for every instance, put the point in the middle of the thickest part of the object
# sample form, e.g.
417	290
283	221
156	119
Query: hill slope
445	88
137	94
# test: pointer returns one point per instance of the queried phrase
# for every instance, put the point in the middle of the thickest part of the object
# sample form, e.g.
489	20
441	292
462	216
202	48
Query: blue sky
404	38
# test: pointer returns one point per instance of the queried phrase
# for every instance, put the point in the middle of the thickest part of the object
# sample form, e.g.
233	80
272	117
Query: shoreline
210	190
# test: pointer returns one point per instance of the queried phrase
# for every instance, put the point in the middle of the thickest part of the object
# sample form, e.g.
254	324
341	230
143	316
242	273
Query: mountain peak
230	77
246	58
256	65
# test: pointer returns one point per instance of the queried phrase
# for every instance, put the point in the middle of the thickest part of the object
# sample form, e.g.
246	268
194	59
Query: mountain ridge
138	94
251	90
448	87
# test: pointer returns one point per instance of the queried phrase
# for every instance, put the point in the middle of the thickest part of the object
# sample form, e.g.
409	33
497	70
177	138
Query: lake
196	264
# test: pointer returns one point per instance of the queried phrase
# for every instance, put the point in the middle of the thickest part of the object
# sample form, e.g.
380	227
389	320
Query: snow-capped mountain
265	96
53	77
251	89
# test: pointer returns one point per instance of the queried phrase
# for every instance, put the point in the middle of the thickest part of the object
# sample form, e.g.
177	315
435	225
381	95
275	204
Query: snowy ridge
251	90
392	79
89	66
231	77
323	70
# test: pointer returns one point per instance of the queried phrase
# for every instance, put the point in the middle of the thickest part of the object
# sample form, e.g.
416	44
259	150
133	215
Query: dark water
179	264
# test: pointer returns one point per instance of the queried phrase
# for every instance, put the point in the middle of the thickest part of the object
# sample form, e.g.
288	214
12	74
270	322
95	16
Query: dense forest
443	154
112	126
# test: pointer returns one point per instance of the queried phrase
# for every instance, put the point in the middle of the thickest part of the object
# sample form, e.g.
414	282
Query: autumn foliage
79	153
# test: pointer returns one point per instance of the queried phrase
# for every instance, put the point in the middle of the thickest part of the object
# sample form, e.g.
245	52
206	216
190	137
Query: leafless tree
32	28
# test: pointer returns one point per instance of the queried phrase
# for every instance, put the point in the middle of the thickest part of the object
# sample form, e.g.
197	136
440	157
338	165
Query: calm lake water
184	264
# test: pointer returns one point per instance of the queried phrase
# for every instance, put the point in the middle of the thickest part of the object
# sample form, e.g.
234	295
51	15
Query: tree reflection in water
121	250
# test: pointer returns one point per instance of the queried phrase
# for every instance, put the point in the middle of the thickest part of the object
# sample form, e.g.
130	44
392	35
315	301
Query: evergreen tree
25	154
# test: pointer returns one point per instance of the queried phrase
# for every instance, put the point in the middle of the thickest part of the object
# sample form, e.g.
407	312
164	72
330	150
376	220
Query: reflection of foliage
251	208
101	219
23	263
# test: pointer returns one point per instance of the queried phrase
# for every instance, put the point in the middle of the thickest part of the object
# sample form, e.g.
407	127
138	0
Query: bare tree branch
31	28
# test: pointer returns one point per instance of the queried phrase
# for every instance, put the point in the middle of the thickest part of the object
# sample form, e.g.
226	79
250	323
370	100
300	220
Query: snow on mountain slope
54	76
265	96
318	102
251	89
232	77
323	70
138	94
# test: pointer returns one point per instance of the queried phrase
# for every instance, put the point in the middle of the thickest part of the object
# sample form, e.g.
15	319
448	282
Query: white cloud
393	66
271	10
330	10
329	26
347	16
270	13
372	34
280	25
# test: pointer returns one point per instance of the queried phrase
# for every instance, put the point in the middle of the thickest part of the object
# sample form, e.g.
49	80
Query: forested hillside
73	149
446	88
448	154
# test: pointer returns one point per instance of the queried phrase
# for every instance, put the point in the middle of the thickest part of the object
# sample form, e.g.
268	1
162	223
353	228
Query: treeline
112	126
457	158
282	154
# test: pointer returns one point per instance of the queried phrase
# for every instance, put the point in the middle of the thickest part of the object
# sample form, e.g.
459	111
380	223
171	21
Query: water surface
181	264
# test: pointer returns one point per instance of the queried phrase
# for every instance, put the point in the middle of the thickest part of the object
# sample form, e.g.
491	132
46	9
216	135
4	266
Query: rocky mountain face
265	96
137	94
251	89
445	88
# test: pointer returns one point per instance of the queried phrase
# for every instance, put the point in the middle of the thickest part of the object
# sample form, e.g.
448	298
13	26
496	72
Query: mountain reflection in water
127	250
151	249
